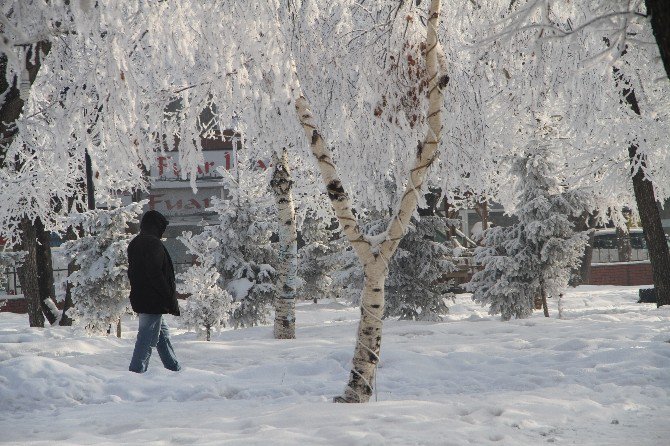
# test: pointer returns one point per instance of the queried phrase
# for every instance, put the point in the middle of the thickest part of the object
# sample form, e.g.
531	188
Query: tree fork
375	264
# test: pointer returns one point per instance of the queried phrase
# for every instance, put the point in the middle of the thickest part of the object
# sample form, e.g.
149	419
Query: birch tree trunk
375	258
282	183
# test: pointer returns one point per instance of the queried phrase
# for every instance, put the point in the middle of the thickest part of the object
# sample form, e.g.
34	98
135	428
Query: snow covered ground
601	376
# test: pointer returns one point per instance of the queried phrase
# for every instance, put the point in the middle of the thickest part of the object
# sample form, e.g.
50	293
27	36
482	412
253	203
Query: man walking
152	293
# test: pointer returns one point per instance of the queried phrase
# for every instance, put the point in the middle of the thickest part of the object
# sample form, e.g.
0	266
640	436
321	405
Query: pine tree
315	259
100	285
238	248
207	306
416	287
533	258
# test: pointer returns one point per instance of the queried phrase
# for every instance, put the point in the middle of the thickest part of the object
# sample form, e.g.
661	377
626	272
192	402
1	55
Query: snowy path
601	376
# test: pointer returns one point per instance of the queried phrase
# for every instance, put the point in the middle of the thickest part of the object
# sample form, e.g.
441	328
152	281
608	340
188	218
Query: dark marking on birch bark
443	81
375	306
376	290
315	136
336	191
419	149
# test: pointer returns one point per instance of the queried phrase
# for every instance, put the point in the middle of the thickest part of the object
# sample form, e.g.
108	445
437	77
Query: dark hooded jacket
150	269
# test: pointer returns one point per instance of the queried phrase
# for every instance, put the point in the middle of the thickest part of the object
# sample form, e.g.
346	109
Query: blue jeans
153	332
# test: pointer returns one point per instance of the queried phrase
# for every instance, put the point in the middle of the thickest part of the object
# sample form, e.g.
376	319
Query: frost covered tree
24	227
318	259
417	288
100	285
50	108
532	258
238	248
617	125
207	306
375	252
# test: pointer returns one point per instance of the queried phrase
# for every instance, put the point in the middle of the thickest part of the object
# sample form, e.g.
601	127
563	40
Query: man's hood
154	223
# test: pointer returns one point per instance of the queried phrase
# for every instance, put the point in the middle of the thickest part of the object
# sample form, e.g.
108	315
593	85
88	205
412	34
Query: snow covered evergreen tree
238	248
100	285
316	265
532	258
207	306
416	287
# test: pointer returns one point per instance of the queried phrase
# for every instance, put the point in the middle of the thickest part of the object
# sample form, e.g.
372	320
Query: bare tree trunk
66	320
282	183
653	233
582	274
118	329
545	307
659	10
375	258
28	274
647	207
45	273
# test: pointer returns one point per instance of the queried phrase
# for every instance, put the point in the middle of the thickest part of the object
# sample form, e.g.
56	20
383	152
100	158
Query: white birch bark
375	257
281	183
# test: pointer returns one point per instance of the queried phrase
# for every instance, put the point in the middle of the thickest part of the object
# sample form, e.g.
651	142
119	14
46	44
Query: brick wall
632	273
14	304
